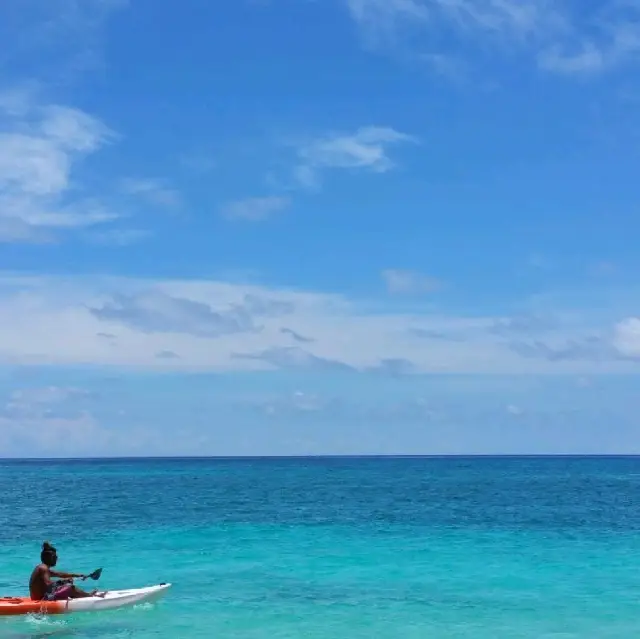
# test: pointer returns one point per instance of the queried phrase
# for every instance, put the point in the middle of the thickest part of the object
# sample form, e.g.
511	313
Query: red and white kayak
109	600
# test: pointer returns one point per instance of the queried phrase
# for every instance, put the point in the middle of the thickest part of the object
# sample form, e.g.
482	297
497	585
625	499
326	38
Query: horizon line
327	456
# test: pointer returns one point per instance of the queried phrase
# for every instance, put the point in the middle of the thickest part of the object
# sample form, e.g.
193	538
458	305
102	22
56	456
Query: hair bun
47	546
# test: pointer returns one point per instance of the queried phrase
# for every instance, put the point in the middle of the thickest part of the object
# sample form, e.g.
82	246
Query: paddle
95	575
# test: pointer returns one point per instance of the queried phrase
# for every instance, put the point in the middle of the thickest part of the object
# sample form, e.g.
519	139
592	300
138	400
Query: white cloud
296	403
379	19
53	40
157	312
511	18
375	10
366	149
118	237
16	102
514	410
28	397
72	130
255	209
294	357
220	326
54	427
626	337
565	37
42	435
409	282
43	146
589	60
47	420
199	163
153	191
36	156
39	148
517	19
588	57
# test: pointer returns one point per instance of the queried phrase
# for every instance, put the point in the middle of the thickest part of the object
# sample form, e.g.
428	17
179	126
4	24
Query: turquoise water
330	548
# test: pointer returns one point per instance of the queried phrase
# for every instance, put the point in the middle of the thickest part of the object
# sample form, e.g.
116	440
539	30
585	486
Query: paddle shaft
95	575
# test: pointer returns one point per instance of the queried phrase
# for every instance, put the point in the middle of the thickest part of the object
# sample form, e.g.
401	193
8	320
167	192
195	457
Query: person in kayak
42	587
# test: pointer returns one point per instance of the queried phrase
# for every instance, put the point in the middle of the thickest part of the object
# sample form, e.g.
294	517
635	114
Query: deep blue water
335	547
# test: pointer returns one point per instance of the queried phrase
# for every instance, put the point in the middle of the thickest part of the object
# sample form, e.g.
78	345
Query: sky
300	227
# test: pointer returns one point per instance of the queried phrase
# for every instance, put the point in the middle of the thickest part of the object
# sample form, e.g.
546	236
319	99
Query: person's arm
65	575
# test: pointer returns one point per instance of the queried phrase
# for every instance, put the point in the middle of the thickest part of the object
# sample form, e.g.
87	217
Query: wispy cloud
117	236
255	209
409	282
611	343
296	403
152	191
216	325
589	57
294	357
39	148
592	348
395	366
199	163
57	420
560	37
47	435
365	150
46	414
626	337
52	40
25	398
45	191
167	355
511	18
42	151
157	312
381	19
296	336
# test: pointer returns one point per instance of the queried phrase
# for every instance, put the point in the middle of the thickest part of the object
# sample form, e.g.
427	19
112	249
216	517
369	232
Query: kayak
111	599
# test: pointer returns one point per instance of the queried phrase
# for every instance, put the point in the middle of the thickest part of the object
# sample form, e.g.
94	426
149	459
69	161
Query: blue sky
319	227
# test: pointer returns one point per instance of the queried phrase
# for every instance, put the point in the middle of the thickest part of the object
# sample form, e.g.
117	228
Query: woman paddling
42	587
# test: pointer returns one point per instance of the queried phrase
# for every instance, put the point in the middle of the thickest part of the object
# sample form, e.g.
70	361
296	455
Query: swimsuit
58	590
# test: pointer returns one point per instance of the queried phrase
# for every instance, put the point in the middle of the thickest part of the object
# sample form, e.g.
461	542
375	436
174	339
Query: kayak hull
112	599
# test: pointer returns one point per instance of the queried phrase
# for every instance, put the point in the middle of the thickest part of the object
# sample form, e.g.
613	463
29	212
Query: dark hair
48	552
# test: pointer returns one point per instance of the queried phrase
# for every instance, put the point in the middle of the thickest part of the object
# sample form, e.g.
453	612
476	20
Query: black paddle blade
96	574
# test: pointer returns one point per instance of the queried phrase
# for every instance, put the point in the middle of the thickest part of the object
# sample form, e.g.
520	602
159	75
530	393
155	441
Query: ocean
437	548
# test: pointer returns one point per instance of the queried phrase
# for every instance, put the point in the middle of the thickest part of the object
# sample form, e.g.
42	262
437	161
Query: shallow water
444	548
